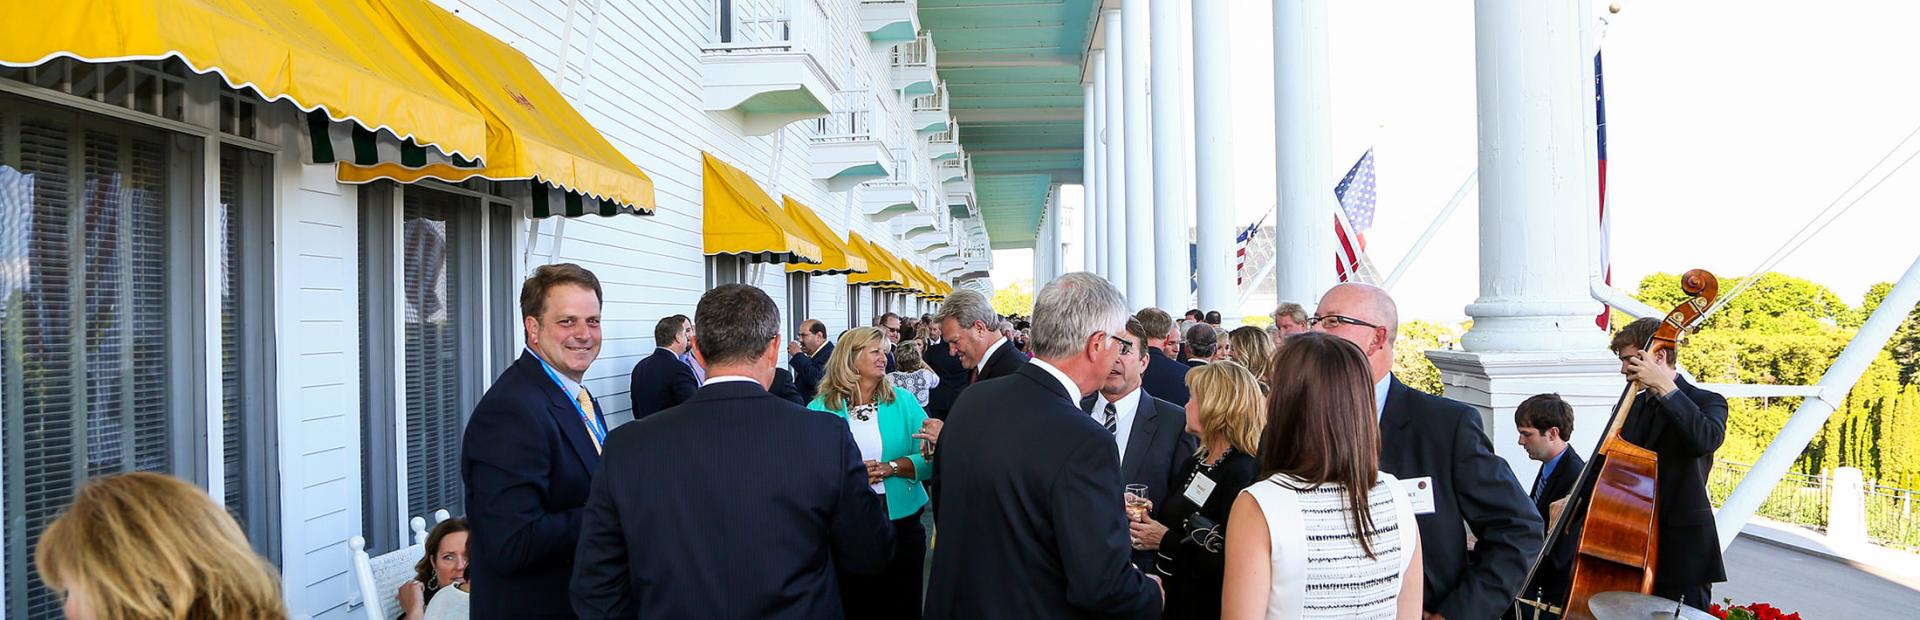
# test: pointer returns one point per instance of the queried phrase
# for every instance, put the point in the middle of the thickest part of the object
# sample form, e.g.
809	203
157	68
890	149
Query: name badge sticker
1200	490
1419	493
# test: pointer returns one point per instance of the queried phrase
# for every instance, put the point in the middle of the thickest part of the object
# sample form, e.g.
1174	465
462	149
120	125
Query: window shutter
434	350
232	277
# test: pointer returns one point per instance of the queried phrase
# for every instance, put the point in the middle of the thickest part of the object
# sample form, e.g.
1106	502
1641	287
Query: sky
1730	126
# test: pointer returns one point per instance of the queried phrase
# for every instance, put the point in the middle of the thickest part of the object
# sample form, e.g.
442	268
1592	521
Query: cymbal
1637	606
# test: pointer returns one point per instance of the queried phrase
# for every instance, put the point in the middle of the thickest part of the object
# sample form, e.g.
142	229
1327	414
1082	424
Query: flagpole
1433	228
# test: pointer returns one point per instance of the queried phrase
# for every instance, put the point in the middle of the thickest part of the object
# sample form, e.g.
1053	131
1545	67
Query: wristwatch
893	467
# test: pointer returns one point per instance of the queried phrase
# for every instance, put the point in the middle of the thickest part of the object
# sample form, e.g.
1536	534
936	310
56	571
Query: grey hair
735	322
967	306
1292	310
1070	309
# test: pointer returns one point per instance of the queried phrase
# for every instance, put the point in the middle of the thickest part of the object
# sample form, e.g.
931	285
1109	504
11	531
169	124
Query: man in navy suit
1439	441
530	449
661	380
954	375
1149	433
1165	377
1035	524
808	358
736	504
1545	422
970	327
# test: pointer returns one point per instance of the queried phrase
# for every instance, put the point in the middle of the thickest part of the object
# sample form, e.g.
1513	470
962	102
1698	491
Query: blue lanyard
593	426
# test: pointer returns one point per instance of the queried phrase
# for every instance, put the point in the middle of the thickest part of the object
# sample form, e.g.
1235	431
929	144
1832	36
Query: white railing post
1813	412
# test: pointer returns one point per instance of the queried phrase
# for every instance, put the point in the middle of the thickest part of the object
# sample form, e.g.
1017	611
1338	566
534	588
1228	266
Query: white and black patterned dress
1319	570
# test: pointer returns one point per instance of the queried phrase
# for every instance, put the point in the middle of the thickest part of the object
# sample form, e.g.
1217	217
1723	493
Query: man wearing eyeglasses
1438	449
1150	433
889	323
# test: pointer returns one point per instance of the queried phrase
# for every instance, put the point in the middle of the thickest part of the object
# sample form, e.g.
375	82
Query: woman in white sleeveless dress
1326	534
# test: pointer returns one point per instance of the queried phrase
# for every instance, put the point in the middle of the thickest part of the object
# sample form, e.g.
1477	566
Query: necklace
864	412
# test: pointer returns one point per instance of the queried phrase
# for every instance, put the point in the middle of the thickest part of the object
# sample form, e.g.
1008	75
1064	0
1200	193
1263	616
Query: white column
1055	231
1170	264
1533	324
1116	214
1302	119
1097	220
1213	156
1537	177
1136	50
1089	164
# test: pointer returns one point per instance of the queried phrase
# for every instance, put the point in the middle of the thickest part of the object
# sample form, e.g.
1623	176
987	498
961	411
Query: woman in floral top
913	376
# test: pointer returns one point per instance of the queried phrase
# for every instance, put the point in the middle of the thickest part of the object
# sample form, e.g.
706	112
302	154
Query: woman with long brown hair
1326	534
147	546
443	568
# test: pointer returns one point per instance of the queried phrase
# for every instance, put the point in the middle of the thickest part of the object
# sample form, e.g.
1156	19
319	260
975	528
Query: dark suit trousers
1695	596
894	594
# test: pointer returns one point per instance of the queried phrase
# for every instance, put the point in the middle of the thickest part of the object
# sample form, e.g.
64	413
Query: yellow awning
532	132
340	57
879	271
741	219
836	258
902	277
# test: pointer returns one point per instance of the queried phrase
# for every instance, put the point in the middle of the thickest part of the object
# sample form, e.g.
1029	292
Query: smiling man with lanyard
530	450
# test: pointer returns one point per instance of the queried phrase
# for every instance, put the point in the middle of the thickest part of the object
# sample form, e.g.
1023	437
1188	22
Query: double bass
1613	512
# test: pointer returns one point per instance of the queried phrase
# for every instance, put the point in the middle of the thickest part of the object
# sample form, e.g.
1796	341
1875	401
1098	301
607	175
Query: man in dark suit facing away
1545	422
735	504
1165	377
954	375
530	449
1149	433
1426	438
661	380
1035	525
808	357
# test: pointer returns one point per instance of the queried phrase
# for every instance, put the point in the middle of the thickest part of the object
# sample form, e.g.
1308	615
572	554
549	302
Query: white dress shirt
730	379
1073	390
981	365
1124	410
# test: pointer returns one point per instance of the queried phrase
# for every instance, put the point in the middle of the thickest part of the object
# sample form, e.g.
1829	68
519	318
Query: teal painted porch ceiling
1012	69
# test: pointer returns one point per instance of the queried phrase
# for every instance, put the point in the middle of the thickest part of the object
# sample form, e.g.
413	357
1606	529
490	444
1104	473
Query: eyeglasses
1314	321
1126	346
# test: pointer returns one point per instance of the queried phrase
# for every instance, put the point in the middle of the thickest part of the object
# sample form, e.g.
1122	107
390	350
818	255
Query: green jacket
899	420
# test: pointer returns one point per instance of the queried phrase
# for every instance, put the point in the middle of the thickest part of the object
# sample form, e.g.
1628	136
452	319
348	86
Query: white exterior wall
637	80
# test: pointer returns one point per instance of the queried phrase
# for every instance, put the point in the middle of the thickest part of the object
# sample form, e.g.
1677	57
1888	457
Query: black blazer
1034	525
1005	361
670	533
660	381
1166	378
784	388
1156	447
1194	575
1565	475
1426	435
526	461
1684	429
809	369
1194	362
953	378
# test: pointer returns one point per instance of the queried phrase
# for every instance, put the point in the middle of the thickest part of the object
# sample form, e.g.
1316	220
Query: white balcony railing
916	53
761	54
850	121
936	102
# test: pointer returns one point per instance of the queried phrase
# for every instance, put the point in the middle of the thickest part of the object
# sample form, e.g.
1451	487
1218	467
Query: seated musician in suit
1545	422
1684	425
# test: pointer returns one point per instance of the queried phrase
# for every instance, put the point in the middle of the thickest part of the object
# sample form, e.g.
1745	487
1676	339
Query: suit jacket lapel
565	414
1144	415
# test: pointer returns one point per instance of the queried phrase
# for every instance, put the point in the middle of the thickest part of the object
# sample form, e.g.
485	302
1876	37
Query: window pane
232	273
432	344
84	340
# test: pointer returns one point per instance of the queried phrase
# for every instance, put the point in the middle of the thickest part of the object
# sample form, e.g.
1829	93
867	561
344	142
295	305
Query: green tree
1015	298
1905	345
1410	362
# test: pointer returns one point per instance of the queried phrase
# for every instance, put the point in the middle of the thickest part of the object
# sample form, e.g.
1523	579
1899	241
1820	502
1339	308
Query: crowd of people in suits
1091	460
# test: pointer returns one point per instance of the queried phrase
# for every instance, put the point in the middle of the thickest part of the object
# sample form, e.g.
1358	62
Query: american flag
1240	255
1605	319
1355	217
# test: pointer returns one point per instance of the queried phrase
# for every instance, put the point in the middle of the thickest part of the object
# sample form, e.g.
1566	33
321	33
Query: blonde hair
143	545
907	356
841	380
1253	348
1229	401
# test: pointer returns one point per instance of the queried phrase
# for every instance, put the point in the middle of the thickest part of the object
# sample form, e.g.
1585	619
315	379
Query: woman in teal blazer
883	419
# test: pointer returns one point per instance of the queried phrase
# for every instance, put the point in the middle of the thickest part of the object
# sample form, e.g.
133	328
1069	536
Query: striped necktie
1113	419
587	416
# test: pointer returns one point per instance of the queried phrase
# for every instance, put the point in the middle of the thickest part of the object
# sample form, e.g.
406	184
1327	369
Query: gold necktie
586	407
